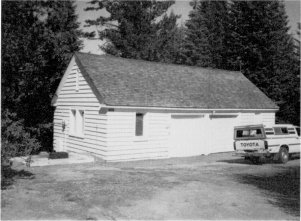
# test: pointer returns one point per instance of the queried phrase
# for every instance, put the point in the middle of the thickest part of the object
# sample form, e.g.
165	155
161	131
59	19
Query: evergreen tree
167	44
38	39
205	41
179	45
135	29
215	14
259	45
298	41
197	48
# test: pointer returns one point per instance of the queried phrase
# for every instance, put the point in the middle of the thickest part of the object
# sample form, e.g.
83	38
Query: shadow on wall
8	176
282	189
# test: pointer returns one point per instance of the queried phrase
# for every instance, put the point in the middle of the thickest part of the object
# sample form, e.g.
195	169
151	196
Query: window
80	122
248	133
280	130
72	121
291	130
269	131
77	118
139	124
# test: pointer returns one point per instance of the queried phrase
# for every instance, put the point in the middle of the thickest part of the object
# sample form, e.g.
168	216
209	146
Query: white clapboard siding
268	118
246	118
95	132
258	118
124	145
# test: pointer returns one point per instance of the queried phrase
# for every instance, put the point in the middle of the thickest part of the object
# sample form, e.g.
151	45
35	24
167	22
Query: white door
221	133
187	136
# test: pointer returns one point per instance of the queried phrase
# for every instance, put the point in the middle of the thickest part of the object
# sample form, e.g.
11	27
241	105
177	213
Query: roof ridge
160	62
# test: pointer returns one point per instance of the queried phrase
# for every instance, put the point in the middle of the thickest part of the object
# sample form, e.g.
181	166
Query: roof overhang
107	107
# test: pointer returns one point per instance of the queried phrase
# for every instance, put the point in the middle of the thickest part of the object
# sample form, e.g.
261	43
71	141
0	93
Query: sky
181	7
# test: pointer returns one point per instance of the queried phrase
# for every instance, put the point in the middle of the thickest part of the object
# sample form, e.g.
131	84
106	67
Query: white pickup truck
257	141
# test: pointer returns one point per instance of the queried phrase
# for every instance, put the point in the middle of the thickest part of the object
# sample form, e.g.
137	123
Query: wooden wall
95	132
124	145
111	135
266	118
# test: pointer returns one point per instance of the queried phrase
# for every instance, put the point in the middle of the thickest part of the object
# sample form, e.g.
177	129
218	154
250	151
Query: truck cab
255	142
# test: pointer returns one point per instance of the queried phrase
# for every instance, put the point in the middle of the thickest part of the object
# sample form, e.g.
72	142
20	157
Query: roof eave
189	108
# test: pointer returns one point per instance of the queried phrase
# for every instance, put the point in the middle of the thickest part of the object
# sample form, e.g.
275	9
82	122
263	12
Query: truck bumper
257	153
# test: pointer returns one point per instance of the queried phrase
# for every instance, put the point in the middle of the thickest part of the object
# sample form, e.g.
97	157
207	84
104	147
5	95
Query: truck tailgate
249	144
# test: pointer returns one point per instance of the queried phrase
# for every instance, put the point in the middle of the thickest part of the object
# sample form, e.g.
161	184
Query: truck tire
283	155
255	160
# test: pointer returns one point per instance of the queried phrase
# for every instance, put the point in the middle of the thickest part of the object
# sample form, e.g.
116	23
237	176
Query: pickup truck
278	141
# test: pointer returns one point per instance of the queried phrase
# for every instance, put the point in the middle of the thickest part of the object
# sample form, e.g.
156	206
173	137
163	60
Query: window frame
249	136
73	126
144	136
72	121
279	130
297	129
142	120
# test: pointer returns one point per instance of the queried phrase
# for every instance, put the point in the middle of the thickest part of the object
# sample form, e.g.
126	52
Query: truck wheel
255	160
247	158
283	155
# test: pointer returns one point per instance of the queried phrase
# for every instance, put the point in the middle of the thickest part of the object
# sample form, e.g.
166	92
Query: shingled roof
128	82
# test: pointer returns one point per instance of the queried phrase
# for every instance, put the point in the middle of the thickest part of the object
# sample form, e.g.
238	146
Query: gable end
89	80
75	61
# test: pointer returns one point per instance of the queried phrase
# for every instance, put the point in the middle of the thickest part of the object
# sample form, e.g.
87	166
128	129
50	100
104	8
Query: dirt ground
218	186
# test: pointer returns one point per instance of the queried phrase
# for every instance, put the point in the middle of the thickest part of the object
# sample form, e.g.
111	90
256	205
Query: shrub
44	134
16	141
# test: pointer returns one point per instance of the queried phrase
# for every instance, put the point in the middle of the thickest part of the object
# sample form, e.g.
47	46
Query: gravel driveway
218	186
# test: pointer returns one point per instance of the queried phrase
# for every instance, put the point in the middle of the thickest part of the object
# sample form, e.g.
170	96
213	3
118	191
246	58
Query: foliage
138	29
196	46
206	34
259	45
250	36
15	140
298	41
38	39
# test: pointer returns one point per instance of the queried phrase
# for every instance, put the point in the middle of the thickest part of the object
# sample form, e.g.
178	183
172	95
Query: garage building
125	109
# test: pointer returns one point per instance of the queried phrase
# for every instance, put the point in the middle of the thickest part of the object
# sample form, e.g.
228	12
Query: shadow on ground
283	188
8	176
262	161
236	161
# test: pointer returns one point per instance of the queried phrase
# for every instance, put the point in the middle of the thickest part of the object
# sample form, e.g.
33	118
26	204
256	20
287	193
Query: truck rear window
280	130
249	133
269	131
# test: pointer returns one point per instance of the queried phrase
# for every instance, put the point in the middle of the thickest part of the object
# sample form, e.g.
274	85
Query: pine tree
167	41
298	41
259	45
197	48
205	40
134	28
216	20
38	39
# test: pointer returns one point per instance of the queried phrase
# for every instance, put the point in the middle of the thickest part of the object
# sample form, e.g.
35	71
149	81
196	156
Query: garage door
221	133
187	135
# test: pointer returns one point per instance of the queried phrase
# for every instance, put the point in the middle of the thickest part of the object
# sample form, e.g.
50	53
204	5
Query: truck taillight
234	145
266	146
